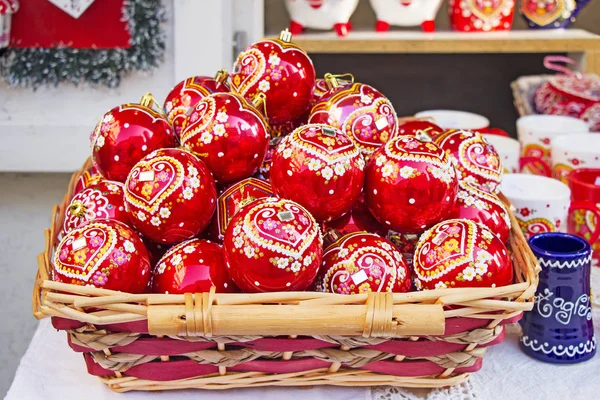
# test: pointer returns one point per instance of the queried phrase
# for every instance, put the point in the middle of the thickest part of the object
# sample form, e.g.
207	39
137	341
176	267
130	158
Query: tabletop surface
51	370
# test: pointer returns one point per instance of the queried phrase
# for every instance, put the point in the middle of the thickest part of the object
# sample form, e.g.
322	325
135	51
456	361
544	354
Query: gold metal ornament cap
78	209
285	36
331	81
222	75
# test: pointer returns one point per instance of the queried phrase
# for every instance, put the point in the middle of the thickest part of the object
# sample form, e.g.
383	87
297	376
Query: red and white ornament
233	199
417	127
410	184
189	92
363	262
273	245
126	134
360	111
193	266
473	157
481	15
477	204
106	254
320	168
170	196
461	253
279	70
89	177
323	89
103	200
228	134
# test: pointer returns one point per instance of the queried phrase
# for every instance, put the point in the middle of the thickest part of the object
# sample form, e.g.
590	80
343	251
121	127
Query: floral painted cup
575	151
541	203
454	119
536	132
509	150
560	329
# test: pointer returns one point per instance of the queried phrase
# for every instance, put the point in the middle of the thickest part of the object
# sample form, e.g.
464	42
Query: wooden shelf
527	41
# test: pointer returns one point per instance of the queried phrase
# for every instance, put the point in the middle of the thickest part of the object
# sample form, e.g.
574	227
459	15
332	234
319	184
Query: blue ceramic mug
559	329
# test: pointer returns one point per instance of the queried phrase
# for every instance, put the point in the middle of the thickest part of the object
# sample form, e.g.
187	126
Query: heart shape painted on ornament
85	250
412	149
199	120
167	176
366	259
95	206
367	125
542	16
488	9
263	228
471	153
451	245
251	64
315	143
536	225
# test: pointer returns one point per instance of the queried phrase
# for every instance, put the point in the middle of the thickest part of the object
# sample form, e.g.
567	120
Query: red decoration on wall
39	23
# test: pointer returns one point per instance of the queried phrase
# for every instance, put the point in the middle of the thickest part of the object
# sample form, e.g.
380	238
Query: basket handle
378	317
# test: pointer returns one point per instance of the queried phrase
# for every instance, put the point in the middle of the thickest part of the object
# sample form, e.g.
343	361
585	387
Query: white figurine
405	13
321	14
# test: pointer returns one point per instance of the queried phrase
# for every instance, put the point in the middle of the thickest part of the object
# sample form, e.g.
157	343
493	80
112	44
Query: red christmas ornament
477	204
360	111
193	266
106	254
189	92
322	89
420	127
461	253
170	196
228	134
320	168
279	70
473	157
233	199
126	134
357	220
363	262
406	243
89	177
103	200
273	245
410	184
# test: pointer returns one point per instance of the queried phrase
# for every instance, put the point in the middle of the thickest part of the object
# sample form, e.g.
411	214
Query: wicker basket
221	341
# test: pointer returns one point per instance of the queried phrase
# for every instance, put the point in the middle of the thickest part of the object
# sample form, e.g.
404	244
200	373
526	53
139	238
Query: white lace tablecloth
51	370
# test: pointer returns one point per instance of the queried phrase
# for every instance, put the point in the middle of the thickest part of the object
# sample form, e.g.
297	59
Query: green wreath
37	67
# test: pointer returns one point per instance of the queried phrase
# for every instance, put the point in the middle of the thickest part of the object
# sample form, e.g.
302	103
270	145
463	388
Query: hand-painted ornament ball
103	200
410	184
320	168
361	112
363	262
170	196
416	127
324	86
279	70
477	204
233	199
193	266
126	134
461	253
106	254
473	156
273	245
189	92
228	134
88	177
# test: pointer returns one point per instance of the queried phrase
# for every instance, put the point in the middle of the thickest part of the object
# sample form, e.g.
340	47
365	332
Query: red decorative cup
584	215
481	15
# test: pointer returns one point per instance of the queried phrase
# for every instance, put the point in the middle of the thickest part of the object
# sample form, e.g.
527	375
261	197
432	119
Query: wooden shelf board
523	41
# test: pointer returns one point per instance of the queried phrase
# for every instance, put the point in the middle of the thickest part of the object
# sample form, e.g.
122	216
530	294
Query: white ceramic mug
509	150
575	151
542	204
453	119
536	132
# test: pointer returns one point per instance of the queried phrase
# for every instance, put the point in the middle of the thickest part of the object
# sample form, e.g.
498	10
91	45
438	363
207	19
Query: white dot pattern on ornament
220	154
117	158
411	201
144	148
126	125
256	283
201	261
374	191
290	173
288	284
256	156
331	191
225	285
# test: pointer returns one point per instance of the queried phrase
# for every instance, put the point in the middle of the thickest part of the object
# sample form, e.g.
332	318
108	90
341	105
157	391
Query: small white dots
288	284
164	240
452	141
374	191
411	201
126	125
363	240
143	272
448	198
212	201
295	94
121	208
181	224
493	285
228	101
388	223
225	285
256	283
116	158
423	226
290	173
144	148
331	191
256	156
201	261
299	65
220	154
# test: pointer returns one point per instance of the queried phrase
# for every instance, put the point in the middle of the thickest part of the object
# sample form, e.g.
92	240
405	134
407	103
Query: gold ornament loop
259	101
222	76
285	36
333	81
150	102
78	209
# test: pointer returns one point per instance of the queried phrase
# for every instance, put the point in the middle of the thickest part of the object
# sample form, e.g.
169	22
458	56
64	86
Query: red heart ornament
170	196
